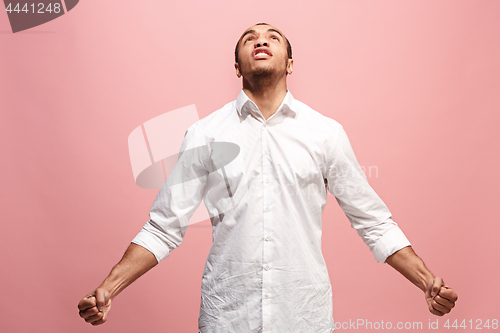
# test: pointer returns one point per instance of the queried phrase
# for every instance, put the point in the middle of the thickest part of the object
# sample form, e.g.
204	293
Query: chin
264	71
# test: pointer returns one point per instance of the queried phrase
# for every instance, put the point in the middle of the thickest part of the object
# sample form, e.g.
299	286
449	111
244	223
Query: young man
265	271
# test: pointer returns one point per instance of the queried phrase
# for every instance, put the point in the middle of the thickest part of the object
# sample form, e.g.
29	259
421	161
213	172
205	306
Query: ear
289	66
237	67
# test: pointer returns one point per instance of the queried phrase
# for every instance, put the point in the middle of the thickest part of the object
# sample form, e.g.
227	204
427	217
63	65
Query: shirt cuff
391	241
151	243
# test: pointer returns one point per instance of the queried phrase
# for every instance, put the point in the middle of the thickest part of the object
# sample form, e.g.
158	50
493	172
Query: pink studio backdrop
415	83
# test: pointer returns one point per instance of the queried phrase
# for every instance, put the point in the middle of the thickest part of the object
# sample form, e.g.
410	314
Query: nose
261	41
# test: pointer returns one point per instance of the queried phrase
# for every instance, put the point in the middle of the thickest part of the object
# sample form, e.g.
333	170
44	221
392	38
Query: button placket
267	247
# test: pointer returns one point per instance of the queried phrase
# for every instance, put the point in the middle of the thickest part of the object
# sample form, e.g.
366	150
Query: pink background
416	85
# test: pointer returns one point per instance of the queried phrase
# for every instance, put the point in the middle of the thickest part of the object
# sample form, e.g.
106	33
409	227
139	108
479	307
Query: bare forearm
135	262
411	266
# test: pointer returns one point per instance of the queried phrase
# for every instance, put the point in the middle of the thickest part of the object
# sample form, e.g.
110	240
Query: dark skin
439	296
264	77
136	261
263	65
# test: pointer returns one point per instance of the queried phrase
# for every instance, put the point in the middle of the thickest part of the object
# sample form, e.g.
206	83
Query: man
265	271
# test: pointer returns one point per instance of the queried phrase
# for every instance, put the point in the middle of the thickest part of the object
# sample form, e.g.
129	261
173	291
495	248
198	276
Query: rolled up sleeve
178	199
366	212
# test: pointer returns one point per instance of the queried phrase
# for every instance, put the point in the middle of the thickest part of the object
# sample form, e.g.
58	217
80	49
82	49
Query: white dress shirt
265	271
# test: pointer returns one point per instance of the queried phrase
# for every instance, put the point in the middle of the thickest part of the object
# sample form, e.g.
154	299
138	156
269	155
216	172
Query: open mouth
262	53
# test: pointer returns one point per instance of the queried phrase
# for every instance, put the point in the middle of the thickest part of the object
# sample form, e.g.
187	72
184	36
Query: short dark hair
288	46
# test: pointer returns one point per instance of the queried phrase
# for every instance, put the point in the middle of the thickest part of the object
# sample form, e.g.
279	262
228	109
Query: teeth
261	53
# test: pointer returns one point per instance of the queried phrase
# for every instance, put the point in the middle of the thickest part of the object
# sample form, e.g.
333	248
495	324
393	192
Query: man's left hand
440	297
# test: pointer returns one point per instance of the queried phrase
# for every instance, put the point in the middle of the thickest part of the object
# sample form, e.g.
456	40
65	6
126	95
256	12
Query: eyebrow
276	31
251	31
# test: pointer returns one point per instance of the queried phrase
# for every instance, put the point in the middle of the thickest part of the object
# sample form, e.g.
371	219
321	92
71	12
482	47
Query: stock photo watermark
156	162
24	15
370	325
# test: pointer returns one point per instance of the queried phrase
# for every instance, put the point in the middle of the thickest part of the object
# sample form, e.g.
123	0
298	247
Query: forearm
411	266
135	262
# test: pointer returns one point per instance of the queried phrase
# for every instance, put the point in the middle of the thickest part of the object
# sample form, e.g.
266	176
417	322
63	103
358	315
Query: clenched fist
440	297
94	307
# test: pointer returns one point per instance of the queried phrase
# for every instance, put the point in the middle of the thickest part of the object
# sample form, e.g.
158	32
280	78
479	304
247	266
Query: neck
266	93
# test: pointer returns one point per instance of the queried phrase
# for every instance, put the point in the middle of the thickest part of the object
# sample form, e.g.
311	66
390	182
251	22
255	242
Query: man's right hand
94	307
136	261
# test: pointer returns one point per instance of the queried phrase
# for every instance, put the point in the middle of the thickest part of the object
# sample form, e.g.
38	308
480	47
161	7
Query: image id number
40	8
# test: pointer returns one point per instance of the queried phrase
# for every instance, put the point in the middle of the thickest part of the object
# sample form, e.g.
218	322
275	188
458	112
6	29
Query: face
262	51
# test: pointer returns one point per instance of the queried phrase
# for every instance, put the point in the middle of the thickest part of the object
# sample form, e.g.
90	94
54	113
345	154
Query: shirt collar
245	105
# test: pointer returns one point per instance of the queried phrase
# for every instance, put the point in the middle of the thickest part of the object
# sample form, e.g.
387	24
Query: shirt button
266	267
266	296
267	238
266	152
267	209
267	180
